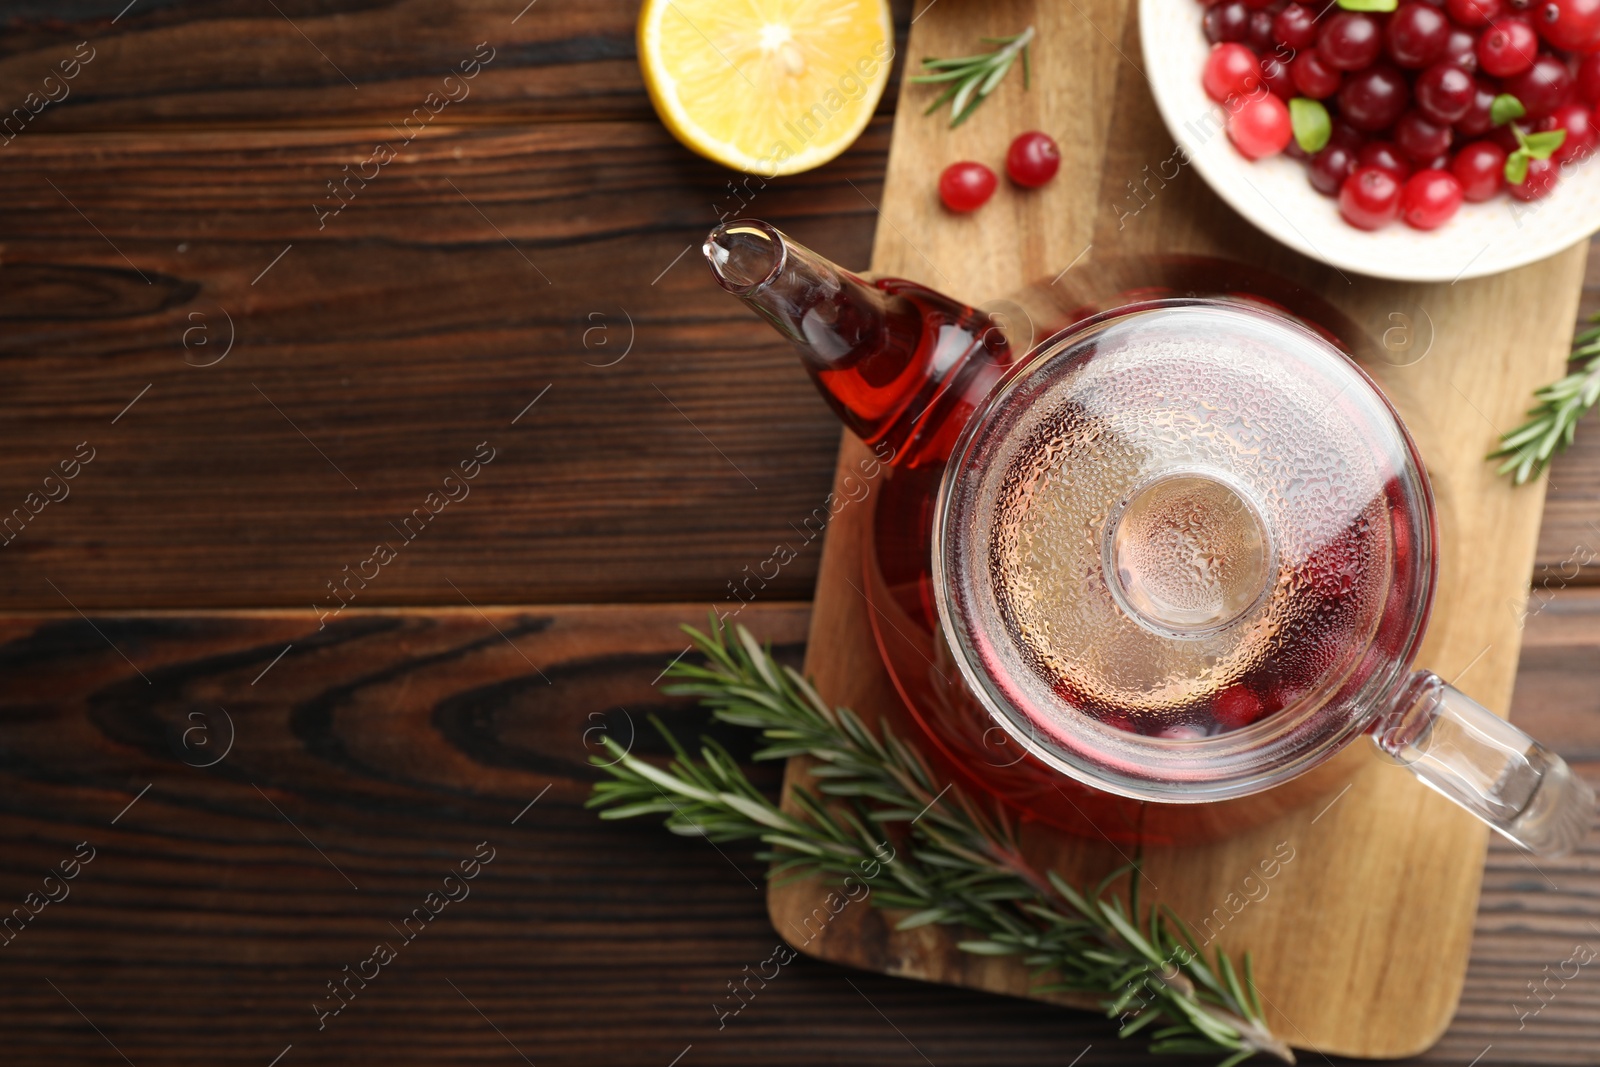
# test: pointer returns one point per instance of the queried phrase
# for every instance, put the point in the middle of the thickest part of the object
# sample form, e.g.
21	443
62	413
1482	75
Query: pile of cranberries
1406	113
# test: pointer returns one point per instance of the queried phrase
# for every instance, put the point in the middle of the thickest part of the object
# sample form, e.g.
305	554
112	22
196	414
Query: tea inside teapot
1181	526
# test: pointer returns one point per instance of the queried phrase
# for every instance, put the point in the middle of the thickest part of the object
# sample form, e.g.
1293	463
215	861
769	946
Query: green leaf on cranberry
1541	145
1311	124
1369	5
1517	167
1505	108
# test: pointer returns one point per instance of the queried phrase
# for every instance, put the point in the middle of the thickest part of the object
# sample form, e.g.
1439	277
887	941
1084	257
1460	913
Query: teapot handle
1460	748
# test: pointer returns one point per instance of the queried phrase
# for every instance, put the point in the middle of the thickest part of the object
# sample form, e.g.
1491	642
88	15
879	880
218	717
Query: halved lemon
766	86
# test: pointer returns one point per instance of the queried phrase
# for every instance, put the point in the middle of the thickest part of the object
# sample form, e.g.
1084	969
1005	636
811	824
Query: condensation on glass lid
1185	533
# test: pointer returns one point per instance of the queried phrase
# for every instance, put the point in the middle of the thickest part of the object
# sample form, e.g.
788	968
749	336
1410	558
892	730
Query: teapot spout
899	364
827	312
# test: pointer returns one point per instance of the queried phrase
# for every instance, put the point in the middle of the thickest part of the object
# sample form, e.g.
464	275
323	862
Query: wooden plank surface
1392	859
392	341
321	64
181	509
206	926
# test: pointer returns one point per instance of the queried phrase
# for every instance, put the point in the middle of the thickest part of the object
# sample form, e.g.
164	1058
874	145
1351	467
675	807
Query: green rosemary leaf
973	78
926	848
1553	421
987	948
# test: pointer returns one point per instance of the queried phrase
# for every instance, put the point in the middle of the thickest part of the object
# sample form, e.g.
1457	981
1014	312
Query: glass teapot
1146	578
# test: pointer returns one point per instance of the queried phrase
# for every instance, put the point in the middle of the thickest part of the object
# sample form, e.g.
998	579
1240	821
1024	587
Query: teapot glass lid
1178	544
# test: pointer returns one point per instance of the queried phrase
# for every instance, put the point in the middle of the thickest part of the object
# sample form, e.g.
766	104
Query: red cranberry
1033	159
966	186
1543	87
1429	198
1443	93
1374	98
1387	157
1346	134
1260	127
1295	27
1542	178
1416	34
1369	199
1236	706
1231	70
1313	77
1420	138
1276	74
1461	49
1477	120
1505	137
1438	162
1273	4
1330	167
1480	167
1582	136
1588	80
1260	35
1474	13
1350	40
1507	48
1570	25
1228	21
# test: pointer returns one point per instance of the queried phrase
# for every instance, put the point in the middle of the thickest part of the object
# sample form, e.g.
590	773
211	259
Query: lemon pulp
766	86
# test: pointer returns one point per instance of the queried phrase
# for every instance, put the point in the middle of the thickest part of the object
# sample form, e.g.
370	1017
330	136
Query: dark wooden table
270	775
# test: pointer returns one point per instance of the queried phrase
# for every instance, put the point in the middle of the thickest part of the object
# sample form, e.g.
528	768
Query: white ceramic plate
1274	194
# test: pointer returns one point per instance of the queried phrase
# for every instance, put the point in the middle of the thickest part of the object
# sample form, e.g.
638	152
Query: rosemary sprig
952	862
1553	421
972	78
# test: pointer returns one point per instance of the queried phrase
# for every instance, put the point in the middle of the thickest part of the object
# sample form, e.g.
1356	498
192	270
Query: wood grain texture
233	64
414	325
1391	873
206	926
398	337
1569	542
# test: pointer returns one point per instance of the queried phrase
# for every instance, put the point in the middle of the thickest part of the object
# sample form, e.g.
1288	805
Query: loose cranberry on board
1033	159
966	186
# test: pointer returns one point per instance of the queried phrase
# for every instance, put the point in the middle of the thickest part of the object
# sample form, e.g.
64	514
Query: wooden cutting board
1362	940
